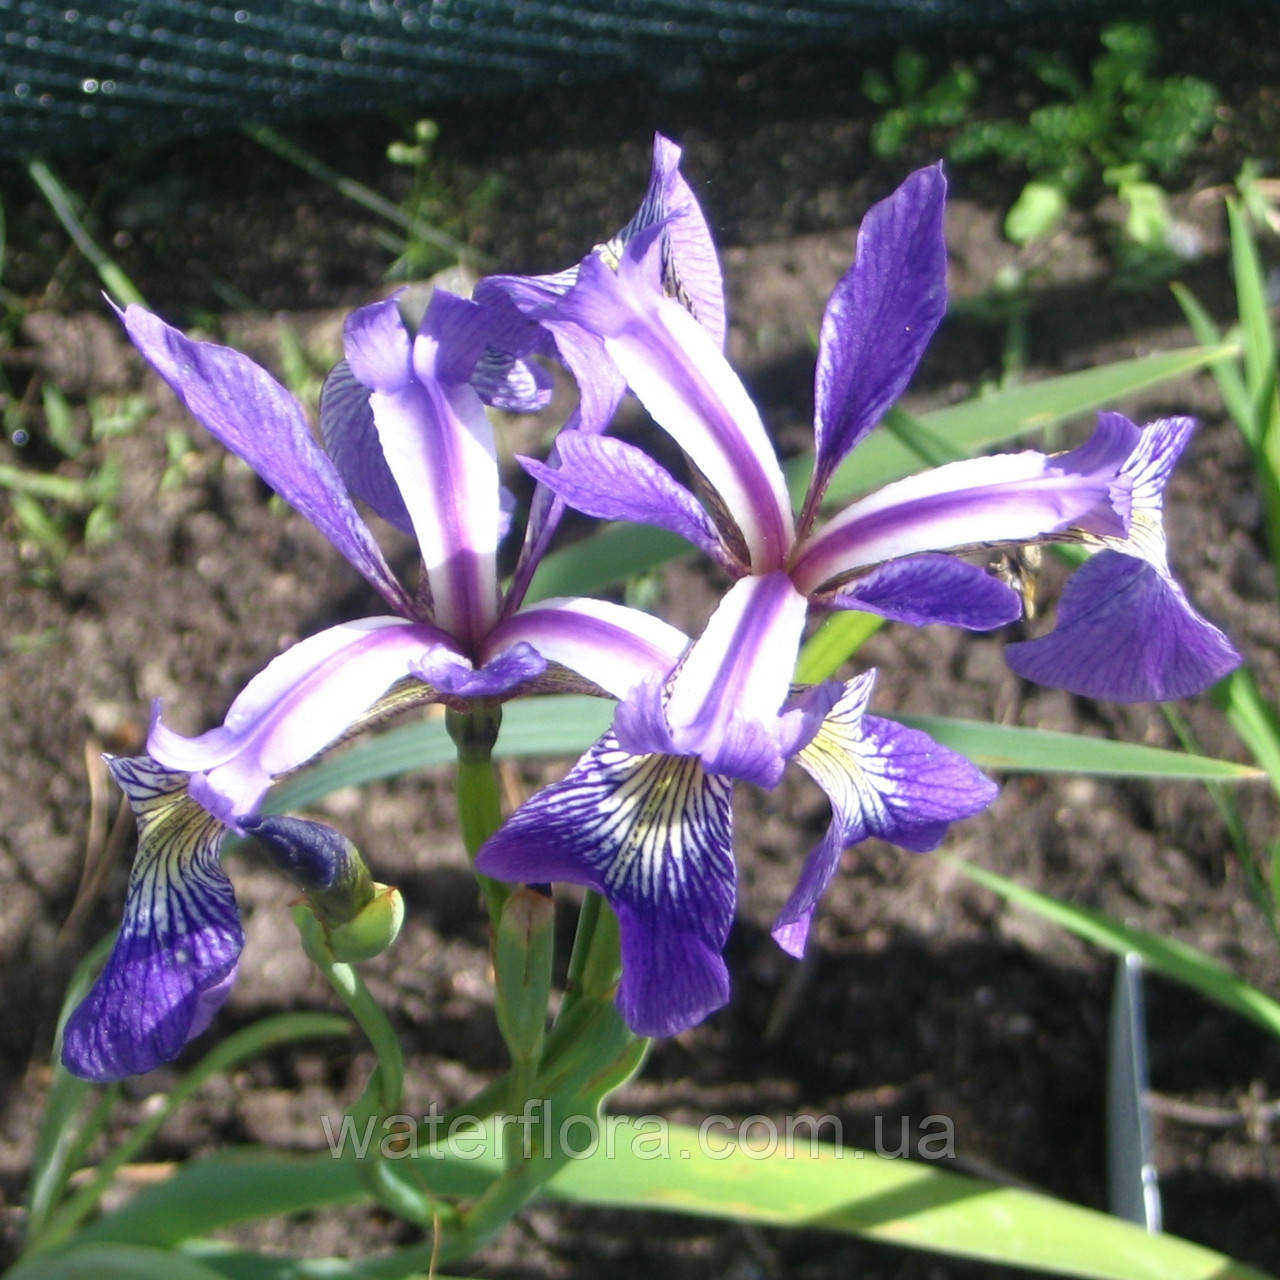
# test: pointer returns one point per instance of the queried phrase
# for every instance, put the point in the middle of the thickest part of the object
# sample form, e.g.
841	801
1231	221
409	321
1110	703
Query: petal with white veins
883	780
175	957
653	834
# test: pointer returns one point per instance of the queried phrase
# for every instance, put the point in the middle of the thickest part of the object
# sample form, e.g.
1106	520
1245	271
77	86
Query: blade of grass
1251	299
1165	956
834	643
1019	750
364	196
285	1028
114	280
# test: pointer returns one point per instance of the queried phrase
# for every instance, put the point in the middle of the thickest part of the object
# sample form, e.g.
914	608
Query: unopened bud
359	918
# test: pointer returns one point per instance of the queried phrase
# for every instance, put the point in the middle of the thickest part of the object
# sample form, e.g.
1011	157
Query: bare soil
924	996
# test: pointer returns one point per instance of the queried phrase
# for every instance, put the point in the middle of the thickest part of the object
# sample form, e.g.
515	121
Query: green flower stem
595	962
400	1188
479	799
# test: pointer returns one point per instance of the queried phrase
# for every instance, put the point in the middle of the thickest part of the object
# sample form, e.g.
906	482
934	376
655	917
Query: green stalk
113	278
401	1189
479	799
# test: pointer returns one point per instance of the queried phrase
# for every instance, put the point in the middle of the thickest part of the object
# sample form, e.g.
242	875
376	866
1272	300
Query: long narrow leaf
114	1262
900	1202
284	1028
1003	415
834	643
678	1169
1226	372
1251	299
1166	956
998	746
1253	718
61	1139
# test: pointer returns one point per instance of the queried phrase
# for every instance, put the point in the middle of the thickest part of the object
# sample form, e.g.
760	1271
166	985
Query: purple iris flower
644	817
406	431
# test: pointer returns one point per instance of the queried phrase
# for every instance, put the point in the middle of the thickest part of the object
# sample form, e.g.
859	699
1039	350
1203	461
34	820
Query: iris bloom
644	817
406	432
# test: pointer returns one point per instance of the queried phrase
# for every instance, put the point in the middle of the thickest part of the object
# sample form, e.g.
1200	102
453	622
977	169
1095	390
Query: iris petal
880	317
346	427
612	480
292	709
1126	630
250	413
681	377
1128	633
926	589
175	957
653	834
884	780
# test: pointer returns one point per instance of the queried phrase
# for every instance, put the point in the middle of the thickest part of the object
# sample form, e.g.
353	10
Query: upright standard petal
884	780
175	958
351	440
653	834
879	319
440	449
291	710
680	375
246	410
690	264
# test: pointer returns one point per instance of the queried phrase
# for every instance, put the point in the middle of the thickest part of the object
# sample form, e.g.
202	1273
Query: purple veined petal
1154	451
1007	497
534	297
928	589
690	265
724	702
378	346
612	480
1127	633
510	384
610	645
175	958
346	427
883	780
879	319
680	375
455	677
251	414
292	709
600	391
654	835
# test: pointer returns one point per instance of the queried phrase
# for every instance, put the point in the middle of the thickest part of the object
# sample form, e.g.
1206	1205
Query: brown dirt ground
924	995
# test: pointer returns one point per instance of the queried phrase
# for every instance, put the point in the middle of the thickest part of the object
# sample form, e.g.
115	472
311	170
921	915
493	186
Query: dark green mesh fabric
95	72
